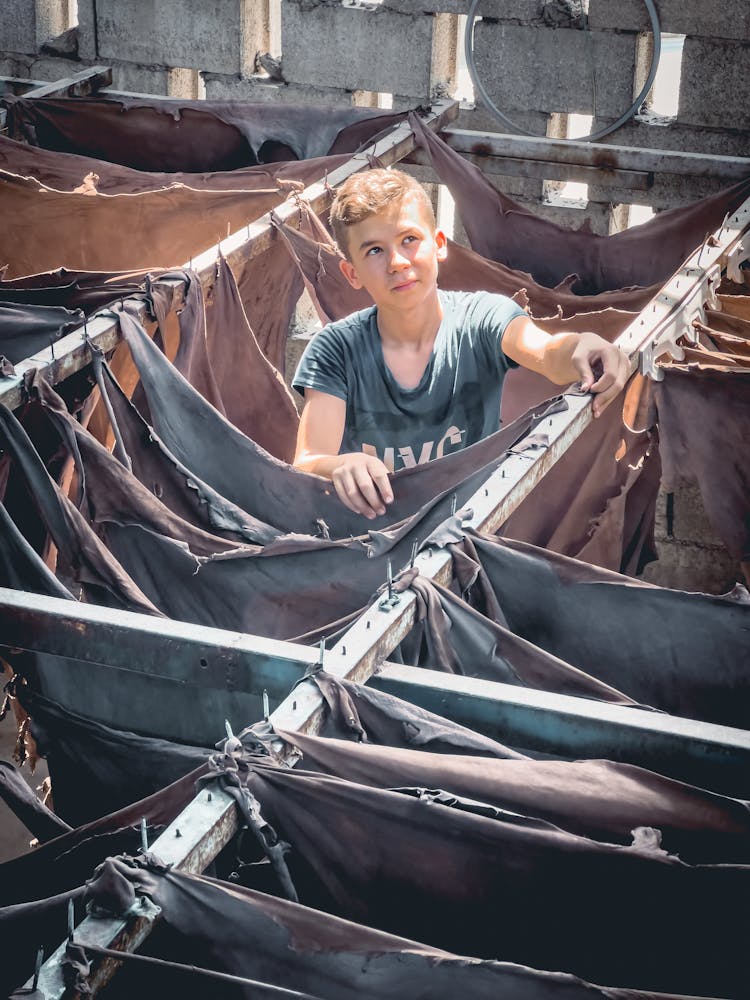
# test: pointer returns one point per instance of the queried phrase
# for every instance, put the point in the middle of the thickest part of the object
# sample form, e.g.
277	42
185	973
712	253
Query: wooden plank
82	84
72	353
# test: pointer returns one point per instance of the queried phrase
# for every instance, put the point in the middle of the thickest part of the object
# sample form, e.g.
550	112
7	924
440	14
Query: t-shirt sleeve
323	365
492	314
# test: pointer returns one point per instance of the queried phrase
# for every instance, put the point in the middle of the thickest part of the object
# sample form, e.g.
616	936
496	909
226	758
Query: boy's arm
361	481
569	357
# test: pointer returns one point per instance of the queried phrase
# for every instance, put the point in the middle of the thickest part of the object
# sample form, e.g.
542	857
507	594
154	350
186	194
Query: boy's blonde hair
364	194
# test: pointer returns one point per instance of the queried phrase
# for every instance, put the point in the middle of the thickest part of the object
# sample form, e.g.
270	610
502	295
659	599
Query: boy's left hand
604	369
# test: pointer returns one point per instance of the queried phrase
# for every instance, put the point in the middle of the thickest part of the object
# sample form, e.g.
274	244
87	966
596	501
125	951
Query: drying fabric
254	395
97	770
131	220
504	231
595	798
245	933
192	136
508	887
101	575
25	329
683	653
40	821
456	639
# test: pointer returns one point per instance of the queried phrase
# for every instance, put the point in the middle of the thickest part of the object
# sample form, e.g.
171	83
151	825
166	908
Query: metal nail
71	919
37	968
321	651
390	579
209	797
228	727
144	835
266	708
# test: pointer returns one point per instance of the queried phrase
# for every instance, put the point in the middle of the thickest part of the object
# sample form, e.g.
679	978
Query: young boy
420	373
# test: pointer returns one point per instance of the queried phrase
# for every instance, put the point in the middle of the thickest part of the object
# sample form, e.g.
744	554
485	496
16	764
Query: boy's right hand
361	483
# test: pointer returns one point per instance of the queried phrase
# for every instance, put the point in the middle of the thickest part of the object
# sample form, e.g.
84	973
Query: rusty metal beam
603	158
72	353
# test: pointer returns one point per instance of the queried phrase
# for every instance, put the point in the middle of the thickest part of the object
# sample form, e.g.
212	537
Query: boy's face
394	255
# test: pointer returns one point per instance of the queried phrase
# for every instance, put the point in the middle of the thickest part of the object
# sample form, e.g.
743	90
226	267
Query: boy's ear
350	273
441	243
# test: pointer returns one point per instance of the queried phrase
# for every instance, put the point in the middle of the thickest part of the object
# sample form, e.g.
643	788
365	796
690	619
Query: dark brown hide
595	798
415	867
679	652
192	136
504	231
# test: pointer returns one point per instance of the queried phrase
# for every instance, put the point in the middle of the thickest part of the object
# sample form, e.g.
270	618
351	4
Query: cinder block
480	119
555	69
358	48
668	191
516	11
715	83
87	30
51	68
681	566
195	34
729	19
18	26
139	79
220	87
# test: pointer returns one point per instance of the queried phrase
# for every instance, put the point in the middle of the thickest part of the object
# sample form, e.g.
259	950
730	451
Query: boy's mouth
404	285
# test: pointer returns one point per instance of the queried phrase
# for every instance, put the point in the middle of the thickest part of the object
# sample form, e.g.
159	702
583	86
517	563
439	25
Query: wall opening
665	93
567	194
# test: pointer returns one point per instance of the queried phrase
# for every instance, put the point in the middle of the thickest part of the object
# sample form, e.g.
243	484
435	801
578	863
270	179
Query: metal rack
581	728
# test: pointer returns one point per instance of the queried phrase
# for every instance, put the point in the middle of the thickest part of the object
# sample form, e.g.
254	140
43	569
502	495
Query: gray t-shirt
457	401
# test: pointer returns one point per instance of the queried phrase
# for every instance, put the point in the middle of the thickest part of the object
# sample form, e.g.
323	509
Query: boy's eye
372	251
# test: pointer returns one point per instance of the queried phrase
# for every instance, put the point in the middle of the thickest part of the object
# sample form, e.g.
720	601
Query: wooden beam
82	84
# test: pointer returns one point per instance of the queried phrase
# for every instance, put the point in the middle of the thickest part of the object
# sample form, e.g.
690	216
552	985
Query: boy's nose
398	260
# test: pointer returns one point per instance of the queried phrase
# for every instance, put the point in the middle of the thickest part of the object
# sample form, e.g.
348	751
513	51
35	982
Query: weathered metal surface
121	934
604	158
193	654
578	727
682	299
550	170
